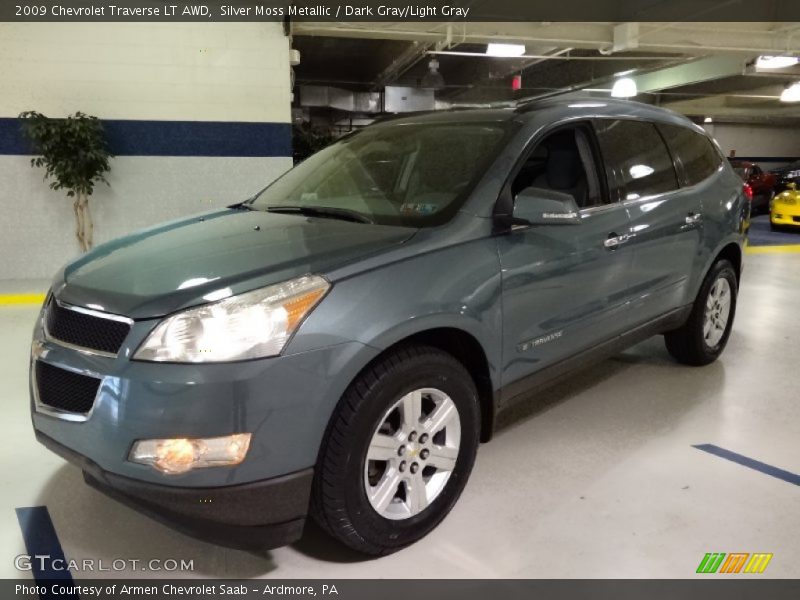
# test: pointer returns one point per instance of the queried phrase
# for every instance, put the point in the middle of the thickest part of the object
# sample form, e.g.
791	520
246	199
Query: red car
762	184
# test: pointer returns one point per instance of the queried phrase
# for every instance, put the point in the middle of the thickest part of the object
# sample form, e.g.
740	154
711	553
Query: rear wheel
704	335
398	451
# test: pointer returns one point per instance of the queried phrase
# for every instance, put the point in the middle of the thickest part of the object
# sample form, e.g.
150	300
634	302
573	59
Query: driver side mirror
542	206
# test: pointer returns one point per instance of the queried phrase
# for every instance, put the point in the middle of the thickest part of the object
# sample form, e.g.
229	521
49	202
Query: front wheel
704	335
398	450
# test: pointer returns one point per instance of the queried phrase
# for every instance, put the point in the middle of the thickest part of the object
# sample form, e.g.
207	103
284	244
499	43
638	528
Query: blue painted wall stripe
41	539
175	138
750	463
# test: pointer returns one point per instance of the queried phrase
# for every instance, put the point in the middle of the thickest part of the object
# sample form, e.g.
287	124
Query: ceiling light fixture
791	93
625	87
505	50
776	62
433	79
708	120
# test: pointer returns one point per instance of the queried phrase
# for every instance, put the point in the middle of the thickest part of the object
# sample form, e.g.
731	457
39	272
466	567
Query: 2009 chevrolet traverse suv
339	344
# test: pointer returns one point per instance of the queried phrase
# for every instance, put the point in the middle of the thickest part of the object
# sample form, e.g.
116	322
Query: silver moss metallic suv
339	344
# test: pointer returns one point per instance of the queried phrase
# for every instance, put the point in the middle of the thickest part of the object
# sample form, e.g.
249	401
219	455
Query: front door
564	286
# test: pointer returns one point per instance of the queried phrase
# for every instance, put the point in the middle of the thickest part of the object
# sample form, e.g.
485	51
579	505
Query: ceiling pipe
546	56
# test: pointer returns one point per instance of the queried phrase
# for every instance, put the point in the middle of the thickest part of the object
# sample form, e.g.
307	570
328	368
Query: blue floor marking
751	463
41	539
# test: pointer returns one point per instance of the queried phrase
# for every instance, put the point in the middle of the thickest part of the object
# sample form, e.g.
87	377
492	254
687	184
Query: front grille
65	390
87	331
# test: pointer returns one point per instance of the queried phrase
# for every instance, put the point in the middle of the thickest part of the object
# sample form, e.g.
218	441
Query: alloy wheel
412	453
717	312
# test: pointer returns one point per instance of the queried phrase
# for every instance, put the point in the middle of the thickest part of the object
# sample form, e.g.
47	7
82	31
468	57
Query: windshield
404	174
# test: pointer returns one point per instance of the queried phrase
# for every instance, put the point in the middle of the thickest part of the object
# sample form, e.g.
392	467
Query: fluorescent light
505	50
791	93
708	120
623	73
776	62
624	88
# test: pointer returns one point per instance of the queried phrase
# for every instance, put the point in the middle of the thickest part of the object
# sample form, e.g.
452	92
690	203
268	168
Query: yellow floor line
789	249
21	299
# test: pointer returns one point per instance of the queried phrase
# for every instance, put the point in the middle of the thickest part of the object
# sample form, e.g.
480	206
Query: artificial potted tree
75	156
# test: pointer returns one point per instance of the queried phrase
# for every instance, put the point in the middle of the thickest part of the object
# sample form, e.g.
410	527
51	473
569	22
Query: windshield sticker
420	209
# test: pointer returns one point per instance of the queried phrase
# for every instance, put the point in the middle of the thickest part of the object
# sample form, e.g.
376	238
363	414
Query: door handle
693	218
615	241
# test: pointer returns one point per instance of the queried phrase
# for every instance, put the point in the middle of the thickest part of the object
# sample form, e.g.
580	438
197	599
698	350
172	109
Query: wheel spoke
382	447
416	496
443	458
441	416
411	409
381	495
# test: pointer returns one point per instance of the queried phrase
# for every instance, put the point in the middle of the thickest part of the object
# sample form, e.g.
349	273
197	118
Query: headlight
251	325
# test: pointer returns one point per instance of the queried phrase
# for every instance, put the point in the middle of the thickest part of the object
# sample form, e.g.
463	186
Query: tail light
748	191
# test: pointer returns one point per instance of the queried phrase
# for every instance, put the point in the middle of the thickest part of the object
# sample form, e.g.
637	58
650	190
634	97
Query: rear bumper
252	516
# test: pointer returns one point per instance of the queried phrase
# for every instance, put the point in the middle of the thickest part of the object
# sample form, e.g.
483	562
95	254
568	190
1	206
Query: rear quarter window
695	153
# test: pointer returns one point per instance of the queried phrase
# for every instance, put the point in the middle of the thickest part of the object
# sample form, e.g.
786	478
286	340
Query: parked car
786	175
340	343
762	184
785	209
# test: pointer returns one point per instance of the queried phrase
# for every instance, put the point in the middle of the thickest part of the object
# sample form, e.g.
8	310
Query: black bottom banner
397	589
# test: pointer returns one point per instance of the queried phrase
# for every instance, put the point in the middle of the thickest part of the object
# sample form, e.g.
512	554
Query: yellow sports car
784	210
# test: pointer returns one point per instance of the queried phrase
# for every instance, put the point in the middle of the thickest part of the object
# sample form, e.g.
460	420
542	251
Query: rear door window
635	153
693	151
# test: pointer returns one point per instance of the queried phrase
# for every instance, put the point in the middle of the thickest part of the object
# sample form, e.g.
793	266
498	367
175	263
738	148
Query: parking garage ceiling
700	69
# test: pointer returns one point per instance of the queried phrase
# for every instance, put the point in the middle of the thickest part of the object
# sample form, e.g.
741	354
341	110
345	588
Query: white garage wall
770	146
171	93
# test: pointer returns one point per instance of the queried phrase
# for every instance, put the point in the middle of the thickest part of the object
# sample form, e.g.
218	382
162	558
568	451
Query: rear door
665	220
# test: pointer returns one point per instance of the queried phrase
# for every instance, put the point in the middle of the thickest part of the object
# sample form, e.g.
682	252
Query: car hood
175	265
788	196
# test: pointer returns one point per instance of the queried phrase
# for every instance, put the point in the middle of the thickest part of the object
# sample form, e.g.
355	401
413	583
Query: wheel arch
464	347
733	253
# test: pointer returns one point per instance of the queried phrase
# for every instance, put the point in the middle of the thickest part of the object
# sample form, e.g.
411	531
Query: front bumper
284	402
253	516
785	216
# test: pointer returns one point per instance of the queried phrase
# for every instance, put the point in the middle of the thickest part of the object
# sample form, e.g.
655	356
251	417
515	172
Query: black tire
339	501
688	344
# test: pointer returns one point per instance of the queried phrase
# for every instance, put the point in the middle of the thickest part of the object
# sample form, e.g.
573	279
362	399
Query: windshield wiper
326	212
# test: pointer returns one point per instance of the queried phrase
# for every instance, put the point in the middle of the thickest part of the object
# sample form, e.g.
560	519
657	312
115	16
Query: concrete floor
597	479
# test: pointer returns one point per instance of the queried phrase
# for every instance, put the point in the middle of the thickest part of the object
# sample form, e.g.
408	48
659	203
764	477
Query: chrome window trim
87	311
38	352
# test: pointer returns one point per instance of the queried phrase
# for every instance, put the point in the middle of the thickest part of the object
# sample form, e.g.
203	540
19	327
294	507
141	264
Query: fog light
174	456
